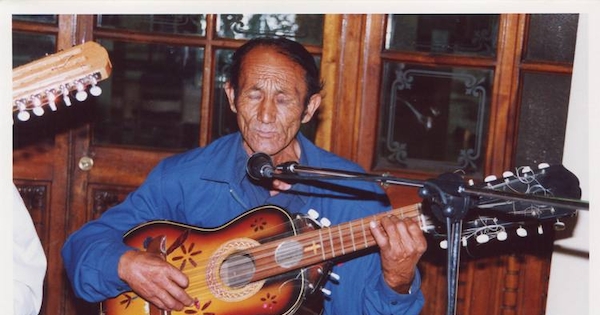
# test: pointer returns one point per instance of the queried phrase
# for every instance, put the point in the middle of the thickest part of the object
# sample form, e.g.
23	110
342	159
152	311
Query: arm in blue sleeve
91	254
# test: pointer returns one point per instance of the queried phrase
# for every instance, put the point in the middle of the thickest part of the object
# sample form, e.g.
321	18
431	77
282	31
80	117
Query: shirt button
394	302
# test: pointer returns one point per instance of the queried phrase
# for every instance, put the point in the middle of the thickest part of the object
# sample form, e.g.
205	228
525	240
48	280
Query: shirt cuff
110	267
395	298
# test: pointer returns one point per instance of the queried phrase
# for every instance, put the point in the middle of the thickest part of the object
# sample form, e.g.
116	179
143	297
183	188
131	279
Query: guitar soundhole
237	270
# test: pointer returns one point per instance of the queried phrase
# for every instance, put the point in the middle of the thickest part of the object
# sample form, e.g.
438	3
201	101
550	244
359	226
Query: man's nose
267	111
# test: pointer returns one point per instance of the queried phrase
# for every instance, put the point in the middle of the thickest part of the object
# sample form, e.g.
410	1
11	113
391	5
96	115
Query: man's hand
155	280
401	244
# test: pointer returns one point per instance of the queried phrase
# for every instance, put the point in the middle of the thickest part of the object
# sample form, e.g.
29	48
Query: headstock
498	217
553	181
41	82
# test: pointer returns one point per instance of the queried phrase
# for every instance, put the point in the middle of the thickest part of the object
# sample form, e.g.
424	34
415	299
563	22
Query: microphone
260	166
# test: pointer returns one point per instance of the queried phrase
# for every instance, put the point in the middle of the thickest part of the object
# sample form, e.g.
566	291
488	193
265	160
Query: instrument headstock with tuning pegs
43	81
524	199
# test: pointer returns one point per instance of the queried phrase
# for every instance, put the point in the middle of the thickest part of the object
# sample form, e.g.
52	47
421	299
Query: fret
322	246
352	236
331	242
341	239
362	223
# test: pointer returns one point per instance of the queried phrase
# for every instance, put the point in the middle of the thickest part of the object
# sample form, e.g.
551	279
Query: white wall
569	291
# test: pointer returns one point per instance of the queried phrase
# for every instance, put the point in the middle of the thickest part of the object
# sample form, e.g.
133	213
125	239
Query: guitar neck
323	244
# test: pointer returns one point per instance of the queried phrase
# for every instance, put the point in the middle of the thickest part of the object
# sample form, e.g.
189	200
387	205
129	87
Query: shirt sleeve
29	261
381	299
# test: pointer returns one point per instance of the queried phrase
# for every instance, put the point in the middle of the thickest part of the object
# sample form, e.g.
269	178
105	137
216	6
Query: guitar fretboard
324	244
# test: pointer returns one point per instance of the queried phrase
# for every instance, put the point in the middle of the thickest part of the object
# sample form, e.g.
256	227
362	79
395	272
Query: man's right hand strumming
155	280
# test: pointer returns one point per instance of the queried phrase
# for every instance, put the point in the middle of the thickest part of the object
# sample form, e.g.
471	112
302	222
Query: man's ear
230	96
311	108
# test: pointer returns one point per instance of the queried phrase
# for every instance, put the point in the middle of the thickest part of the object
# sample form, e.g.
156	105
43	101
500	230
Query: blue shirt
208	187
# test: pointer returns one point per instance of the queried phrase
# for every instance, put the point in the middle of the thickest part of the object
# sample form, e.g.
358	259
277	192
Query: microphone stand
450	202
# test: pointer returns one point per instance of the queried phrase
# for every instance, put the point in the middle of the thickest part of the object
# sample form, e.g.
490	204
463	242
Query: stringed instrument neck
326	243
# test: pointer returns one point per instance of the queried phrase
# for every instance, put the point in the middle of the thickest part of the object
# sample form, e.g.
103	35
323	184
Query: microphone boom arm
296	171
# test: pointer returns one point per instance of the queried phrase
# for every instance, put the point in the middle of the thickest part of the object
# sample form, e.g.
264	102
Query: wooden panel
495	279
500	138
103	197
329	69
370	86
348	87
121	166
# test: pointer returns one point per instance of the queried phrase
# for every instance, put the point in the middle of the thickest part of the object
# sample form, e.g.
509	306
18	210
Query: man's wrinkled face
270	102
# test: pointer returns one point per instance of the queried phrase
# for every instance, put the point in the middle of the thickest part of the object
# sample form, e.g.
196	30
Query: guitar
41	82
267	261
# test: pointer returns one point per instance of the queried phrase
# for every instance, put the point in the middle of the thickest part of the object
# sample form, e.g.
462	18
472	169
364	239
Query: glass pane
445	34
29	47
543	118
152	98
433	118
49	19
224	120
552	37
304	28
169	24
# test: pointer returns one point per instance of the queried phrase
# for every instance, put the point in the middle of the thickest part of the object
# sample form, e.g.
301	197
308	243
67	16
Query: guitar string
267	251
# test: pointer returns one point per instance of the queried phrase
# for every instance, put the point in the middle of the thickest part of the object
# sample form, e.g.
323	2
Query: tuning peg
540	229
482	238
81	94
521	232
508	174
464	241
313	214
333	276
51	100
326	292
37	106
542	166
527	169
23	114
65	93
502	236
490	179
325	222
559	226
444	244
95	90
